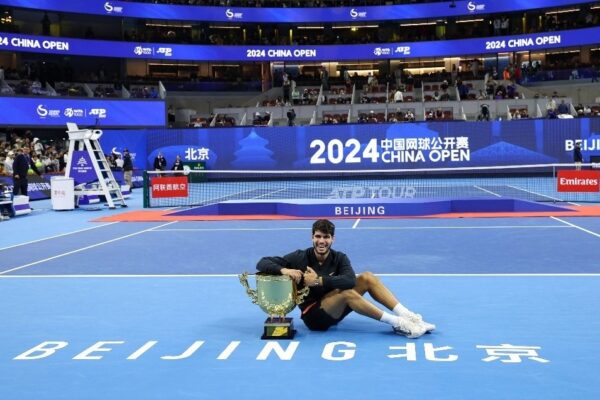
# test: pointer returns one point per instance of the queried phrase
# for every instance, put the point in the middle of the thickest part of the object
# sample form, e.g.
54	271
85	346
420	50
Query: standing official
21	166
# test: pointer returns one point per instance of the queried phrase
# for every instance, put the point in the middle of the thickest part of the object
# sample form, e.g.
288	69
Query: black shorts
316	319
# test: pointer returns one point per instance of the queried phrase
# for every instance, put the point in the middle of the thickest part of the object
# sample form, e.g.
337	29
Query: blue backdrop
279	14
357	146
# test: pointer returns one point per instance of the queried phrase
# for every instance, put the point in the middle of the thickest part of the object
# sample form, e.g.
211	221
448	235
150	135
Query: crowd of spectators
48	156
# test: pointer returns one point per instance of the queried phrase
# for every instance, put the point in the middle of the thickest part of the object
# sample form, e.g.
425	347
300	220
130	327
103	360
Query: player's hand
310	277
295	274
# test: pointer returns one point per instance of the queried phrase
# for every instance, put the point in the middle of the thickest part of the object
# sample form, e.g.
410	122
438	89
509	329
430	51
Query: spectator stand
369	113
339	95
401	113
27	88
199	122
517	112
408	93
374	94
438	91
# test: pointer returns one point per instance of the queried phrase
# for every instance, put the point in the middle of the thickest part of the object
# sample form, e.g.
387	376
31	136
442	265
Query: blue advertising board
440	48
56	111
361	146
287	15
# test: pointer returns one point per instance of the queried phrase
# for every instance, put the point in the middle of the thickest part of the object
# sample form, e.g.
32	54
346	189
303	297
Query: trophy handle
250	292
301	294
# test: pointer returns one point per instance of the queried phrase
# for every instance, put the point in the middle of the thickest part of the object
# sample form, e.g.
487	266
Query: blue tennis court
154	310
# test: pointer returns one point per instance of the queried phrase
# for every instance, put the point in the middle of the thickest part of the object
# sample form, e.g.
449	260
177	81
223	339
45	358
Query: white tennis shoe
408	328
418	319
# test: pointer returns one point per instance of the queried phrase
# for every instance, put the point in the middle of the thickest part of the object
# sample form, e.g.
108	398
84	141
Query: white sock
389	319
399	309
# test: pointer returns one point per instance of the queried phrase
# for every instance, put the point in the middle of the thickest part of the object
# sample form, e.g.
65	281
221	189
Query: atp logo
109	8
357	14
233	15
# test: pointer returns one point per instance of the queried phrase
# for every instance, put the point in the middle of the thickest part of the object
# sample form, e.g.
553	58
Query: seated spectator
436	96
574	74
563	108
409	116
484	114
551	107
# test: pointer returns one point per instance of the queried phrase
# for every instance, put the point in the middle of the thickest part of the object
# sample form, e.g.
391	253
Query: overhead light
469	20
224	27
419	24
310	27
354	26
570	10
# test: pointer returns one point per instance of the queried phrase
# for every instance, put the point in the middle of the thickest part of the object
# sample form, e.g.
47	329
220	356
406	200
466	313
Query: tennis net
538	182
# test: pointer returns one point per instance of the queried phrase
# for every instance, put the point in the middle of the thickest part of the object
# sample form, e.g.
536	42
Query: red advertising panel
578	181
169	186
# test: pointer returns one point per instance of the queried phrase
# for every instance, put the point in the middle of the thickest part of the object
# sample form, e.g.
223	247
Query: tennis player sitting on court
335	290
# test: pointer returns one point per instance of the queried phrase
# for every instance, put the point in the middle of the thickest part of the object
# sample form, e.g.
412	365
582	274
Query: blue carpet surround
367	207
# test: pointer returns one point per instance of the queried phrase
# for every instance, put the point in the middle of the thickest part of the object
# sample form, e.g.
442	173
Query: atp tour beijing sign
43	111
161	51
286	15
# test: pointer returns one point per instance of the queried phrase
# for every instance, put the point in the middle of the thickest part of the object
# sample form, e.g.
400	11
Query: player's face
322	243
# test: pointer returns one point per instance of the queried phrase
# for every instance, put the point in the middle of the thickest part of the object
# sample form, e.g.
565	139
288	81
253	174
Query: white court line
374	228
83	248
487	191
57	236
543	195
170	276
576	227
358	220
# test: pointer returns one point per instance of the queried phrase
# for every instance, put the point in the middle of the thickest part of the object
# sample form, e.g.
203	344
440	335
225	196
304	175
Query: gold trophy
276	295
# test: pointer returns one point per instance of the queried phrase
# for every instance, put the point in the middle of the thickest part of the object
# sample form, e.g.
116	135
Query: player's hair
325	226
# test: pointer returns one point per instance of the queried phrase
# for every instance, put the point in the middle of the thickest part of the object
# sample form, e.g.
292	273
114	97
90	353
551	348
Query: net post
146	191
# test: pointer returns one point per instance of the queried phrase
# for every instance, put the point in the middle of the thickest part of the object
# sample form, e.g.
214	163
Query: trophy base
278	329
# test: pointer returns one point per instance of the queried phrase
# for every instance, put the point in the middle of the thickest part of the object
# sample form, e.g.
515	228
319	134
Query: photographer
484	115
291	116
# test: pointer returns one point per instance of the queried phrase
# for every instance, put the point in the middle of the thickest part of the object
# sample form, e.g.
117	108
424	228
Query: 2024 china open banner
360	146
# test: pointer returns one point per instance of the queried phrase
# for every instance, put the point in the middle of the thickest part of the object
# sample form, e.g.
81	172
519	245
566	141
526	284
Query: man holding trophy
336	291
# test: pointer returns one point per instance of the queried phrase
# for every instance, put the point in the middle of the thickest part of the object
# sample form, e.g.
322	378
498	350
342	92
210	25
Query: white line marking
487	191
57	236
496	275
83	248
577	227
358	220
365	228
543	195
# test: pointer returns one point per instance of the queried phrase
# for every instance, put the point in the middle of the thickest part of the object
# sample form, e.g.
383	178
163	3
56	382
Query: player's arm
291	265
345	278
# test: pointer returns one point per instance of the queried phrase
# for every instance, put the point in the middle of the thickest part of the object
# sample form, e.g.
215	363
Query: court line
83	248
543	195
358	220
363	228
57	236
577	227
429	275
487	191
